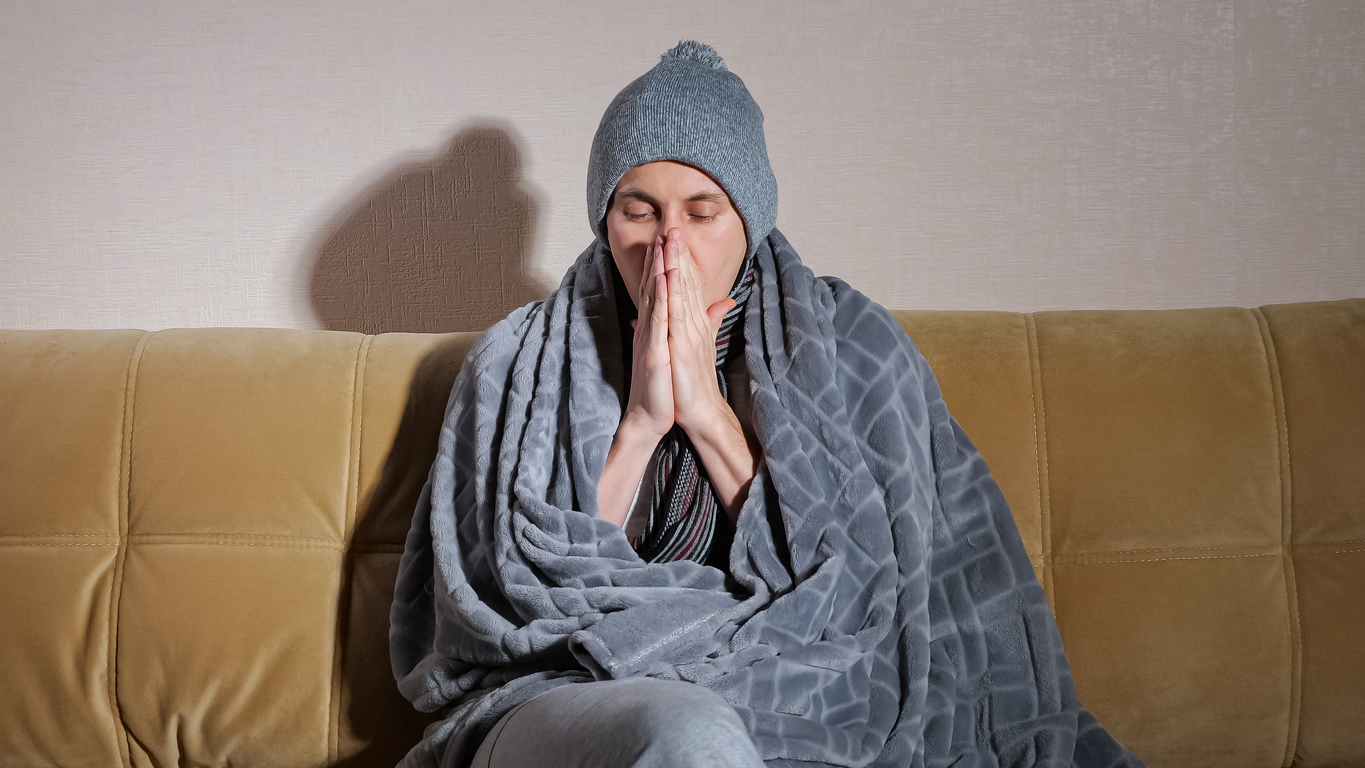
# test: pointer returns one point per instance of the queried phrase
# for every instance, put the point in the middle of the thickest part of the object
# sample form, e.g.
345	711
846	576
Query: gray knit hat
692	109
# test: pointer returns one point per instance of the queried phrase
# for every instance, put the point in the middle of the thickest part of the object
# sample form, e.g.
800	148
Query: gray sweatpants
632	723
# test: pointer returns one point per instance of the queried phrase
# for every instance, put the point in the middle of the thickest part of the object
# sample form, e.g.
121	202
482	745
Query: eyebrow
708	197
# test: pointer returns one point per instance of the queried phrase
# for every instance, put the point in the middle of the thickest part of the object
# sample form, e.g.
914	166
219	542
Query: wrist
714	425
626	461
639	431
725	452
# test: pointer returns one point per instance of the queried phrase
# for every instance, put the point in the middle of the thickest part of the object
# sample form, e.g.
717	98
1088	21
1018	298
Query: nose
669	220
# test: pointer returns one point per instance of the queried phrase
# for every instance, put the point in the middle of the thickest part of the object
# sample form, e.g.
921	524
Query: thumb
716	312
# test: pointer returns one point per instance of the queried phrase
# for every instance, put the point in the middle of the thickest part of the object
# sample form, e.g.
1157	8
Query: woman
700	507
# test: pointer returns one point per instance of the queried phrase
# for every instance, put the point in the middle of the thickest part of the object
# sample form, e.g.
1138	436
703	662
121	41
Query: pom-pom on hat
691	108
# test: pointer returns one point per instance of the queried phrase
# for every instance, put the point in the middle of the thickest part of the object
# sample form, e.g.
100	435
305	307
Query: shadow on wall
434	246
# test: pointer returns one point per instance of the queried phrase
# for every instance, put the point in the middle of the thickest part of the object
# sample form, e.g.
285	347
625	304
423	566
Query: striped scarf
684	512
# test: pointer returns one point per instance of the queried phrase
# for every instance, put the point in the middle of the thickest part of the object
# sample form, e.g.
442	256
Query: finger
644	272
676	310
692	287
652	271
674	277
692	284
670	250
659	314
717	312
658	263
646	285
681	257
658	323
688	265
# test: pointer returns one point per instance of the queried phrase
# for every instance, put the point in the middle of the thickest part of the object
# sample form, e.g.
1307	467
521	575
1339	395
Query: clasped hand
673	371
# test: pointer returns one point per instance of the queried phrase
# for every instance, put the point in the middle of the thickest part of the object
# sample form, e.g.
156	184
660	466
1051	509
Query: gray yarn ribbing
692	109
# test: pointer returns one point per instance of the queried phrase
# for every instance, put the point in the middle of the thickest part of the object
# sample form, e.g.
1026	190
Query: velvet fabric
200	528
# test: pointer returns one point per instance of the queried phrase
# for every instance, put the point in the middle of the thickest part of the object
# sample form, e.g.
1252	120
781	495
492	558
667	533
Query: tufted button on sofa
199	529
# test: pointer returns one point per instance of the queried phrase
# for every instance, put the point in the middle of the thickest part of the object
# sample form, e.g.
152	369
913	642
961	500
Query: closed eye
643	216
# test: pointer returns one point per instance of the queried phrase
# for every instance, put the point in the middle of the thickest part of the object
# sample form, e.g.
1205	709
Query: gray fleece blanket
880	607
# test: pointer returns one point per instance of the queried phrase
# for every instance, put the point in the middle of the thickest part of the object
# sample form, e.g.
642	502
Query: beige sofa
199	529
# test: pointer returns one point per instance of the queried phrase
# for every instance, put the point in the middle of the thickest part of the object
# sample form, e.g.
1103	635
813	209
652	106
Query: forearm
729	460
629	455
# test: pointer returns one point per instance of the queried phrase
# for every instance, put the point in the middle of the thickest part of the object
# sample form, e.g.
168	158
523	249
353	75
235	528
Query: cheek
613	227
718	266
628	261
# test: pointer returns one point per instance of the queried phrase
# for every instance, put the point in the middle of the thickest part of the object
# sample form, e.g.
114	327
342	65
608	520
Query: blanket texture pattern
880	608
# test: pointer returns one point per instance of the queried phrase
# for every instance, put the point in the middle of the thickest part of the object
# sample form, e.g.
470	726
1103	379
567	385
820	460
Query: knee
673	706
686	721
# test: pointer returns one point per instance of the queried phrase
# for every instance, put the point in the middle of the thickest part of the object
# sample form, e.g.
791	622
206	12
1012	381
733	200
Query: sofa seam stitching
1040	451
1272	361
231	535
213	533
1328	543
121	553
60	535
61	544
347	532
1066	559
364	549
228	542
357	433
1168	549
1163	559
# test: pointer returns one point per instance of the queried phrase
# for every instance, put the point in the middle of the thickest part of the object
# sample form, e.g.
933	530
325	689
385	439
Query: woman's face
651	199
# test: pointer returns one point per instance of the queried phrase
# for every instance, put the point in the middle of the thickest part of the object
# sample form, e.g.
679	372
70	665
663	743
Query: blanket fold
880	608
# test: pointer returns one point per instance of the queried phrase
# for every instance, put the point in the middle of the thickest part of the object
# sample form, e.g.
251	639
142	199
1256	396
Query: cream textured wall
420	165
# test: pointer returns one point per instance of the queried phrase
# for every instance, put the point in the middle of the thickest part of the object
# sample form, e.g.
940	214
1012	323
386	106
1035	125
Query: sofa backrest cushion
199	529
